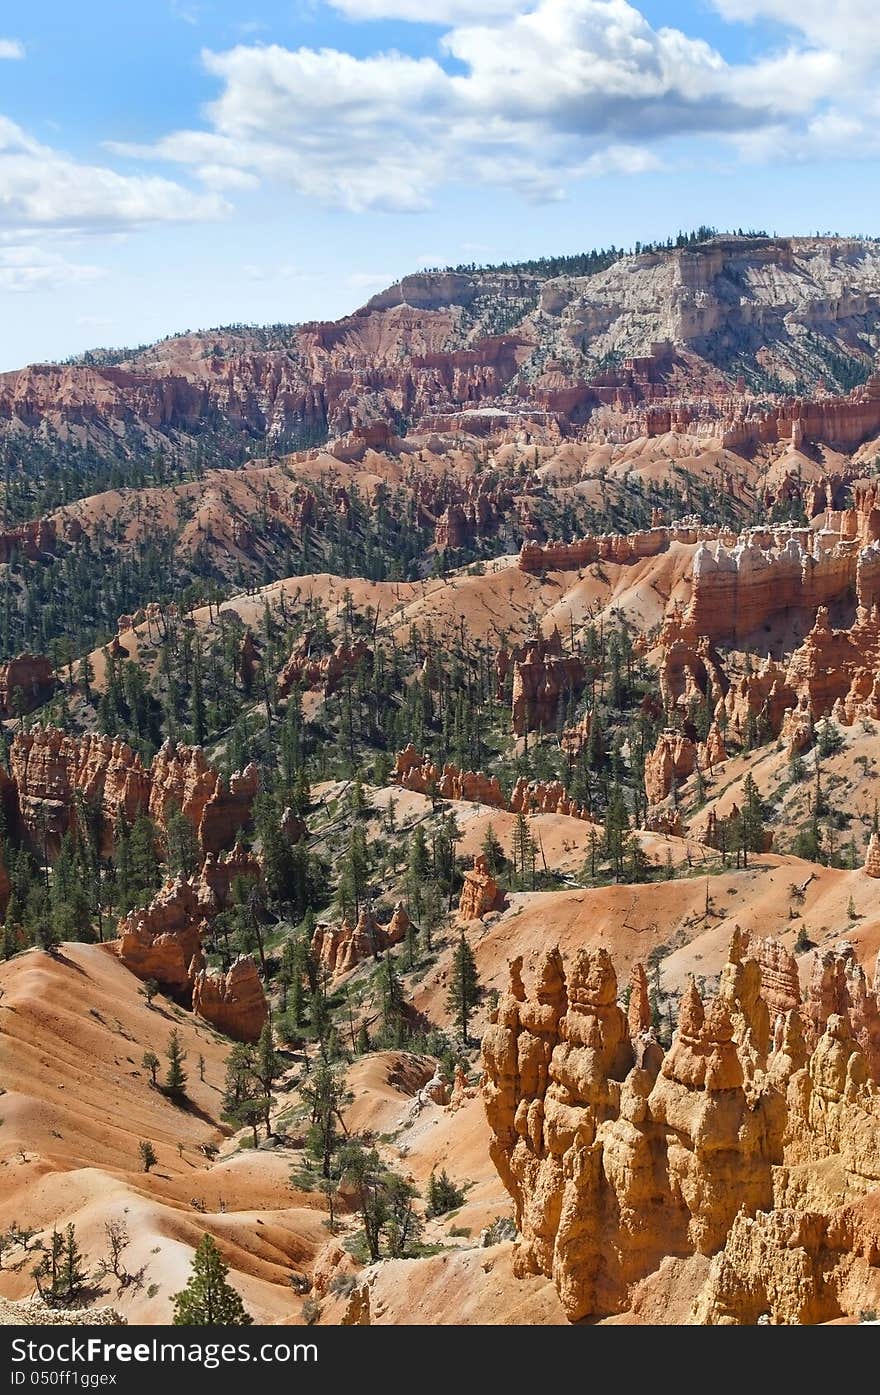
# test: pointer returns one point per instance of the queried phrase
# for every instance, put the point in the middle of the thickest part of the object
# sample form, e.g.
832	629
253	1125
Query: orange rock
234	1002
673	759
480	892
26	682
617	1156
544	678
324	672
341	948
52	769
872	857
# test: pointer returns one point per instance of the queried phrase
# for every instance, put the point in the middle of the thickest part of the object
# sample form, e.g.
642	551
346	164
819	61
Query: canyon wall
618	1154
57	777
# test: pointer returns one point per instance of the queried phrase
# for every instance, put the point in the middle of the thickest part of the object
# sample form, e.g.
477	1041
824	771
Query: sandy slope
77	1103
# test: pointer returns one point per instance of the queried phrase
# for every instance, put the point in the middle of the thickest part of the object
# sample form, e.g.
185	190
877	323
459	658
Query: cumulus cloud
529	97
844	26
11	48
42	188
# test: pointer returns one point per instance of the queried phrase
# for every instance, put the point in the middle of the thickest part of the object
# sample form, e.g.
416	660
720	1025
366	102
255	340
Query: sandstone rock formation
428	350
53	771
234	1002
180	777
872	857
303	669
480	892
26	682
163	941
672	761
544	679
339	948
617	1155
416	772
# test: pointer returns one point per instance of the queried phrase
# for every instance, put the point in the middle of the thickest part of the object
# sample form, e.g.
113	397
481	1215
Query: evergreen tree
181	843
147	1154
464	986
327	1096
208	1300
443	1194
175	1075
492	851
268	1067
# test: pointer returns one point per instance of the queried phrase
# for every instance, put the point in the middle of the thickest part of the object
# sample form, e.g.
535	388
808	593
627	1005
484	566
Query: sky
188	163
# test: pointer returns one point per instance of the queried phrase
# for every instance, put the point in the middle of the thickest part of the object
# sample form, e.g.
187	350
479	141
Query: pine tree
464	987
197	707
208	1300
73	1275
394	1023
147	1154
181	842
175	1076
443	1194
492	851
267	1068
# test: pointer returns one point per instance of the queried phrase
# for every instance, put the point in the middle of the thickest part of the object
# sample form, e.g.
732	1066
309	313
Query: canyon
617	1153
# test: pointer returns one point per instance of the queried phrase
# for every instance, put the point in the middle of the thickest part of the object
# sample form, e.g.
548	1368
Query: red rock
25	684
544	678
324	672
480	892
234	1002
339	949
673	760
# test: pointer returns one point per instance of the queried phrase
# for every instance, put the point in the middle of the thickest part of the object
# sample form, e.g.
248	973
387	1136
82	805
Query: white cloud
844	26
43	188
30	268
11	48
537	95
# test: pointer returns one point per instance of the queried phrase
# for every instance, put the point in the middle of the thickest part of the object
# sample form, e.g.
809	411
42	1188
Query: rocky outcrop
872	857
672	761
545	679
181	778
324	672
416	772
690	672
58	776
163	940
26	682
736	590
835	671
234	1002
339	948
617	1155
480	893
623	549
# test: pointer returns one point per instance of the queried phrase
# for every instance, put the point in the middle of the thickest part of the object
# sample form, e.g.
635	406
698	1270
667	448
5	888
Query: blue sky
194	162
